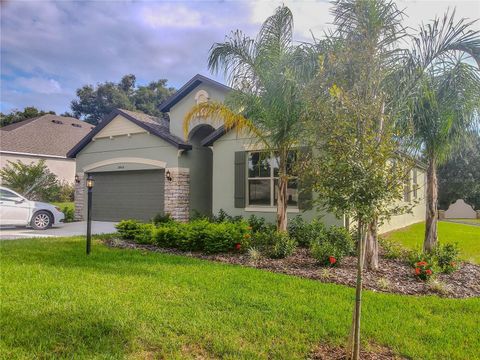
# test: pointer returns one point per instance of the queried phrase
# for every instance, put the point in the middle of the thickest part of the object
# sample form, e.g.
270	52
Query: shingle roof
155	125
45	135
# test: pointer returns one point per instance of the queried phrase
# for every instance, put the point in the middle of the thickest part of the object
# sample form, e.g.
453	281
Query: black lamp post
90	182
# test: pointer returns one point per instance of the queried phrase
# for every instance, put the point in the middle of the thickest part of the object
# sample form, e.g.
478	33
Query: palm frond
217	113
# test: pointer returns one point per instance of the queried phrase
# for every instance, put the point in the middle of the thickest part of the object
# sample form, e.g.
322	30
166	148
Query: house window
415	184
262	179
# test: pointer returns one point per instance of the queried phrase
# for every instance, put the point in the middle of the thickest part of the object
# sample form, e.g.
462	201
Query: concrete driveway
68	229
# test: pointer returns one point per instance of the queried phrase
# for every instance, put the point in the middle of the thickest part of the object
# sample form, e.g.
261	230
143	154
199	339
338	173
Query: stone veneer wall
79	197
177	194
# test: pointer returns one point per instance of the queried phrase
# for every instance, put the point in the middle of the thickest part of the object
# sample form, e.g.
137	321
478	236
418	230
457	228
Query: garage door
127	195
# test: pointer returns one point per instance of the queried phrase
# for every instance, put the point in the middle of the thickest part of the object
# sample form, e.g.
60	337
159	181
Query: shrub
127	229
69	212
330	247
273	243
227	236
224	217
169	235
447	257
144	234
66	192
283	245
162	218
423	270
392	249
254	254
304	233
257	223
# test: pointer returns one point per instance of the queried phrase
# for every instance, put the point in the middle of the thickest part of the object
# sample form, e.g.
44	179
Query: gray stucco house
144	166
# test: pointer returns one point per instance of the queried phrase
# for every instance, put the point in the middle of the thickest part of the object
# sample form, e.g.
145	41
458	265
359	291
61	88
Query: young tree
445	100
33	180
359	164
266	100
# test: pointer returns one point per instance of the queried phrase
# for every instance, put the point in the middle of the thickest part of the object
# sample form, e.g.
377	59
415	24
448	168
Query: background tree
33	181
459	177
445	99
16	115
359	164
267	98
93	103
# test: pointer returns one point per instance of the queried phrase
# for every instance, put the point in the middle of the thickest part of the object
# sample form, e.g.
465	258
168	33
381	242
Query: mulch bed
392	276
328	352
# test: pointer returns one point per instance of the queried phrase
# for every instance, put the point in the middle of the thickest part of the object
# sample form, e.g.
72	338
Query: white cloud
40	85
169	15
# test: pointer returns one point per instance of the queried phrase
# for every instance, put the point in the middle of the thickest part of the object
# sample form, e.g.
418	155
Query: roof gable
146	122
187	88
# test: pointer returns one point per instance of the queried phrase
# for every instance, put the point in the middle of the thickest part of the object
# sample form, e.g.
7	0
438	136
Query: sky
50	49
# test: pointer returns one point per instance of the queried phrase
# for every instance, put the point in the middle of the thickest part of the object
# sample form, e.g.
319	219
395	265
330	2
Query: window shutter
304	189
240	178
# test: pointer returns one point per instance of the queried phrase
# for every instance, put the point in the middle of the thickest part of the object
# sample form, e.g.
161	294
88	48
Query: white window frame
271	178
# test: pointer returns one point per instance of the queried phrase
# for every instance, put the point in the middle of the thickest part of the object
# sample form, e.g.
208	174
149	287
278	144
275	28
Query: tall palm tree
445	98
266	101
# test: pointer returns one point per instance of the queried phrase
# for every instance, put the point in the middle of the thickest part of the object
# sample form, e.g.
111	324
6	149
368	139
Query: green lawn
467	237
57	303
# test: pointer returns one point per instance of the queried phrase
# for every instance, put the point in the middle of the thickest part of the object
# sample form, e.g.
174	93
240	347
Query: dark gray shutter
240	178
304	184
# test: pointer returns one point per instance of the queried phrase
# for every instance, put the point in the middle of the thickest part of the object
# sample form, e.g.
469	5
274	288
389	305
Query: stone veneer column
177	194
79	197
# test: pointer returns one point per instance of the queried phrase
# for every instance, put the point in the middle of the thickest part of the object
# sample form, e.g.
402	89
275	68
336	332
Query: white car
17	210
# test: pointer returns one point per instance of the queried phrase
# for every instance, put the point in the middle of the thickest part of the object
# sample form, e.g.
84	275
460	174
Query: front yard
56	302
467	237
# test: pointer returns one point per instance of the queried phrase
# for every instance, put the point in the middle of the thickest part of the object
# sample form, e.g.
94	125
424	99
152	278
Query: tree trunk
431	236
353	348
282	195
371	247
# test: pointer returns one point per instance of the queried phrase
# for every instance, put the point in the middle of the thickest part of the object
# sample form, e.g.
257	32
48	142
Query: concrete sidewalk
68	229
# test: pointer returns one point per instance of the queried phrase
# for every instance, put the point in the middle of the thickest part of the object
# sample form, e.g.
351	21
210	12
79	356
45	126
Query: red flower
332	260
428	272
421	263
238	246
417	271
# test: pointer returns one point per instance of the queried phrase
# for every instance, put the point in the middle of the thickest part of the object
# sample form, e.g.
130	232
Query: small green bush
222	216
127	229
144	234
447	257
283	245
392	250
326	253
162	218
273	243
257	223
330	247
169	235
69	212
303	232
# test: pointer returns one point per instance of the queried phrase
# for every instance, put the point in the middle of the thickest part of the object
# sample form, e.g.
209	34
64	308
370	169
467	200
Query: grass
61	205
466	221
467	237
57	303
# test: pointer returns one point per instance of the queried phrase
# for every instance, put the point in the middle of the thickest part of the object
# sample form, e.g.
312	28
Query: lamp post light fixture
90	182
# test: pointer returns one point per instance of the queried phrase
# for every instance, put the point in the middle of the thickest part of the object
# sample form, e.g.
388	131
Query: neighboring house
48	137
143	166
460	210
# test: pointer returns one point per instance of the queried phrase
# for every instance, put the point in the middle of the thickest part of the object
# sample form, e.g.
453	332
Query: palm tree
446	99
266	101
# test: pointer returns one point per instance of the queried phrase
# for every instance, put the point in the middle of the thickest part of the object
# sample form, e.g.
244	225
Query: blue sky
49	49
